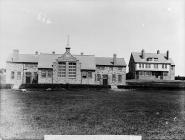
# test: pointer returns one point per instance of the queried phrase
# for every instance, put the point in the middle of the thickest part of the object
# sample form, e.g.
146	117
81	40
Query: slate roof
109	61
87	61
161	58
28	58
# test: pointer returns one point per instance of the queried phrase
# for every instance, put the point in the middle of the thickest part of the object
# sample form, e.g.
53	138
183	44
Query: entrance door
28	77
105	79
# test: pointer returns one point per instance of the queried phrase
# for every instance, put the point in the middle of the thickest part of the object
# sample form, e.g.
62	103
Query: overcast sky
99	27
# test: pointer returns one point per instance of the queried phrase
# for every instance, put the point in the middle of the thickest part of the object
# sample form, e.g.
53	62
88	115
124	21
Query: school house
42	68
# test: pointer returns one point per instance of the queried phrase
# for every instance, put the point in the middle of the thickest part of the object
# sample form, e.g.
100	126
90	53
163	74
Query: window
43	74
155	59
165	66
120	68
149	59
89	74
62	69
111	68
12	75
84	74
98	77
165	73
148	73
72	70
119	78
143	65
102	68
172	67
139	65
148	65
113	77
49	74
156	66
18	75
98	67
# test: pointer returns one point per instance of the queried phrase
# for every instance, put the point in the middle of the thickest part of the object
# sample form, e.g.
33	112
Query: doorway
105	79
28	77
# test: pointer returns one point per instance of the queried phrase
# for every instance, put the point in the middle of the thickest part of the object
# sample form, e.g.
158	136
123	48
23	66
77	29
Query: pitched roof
28	58
87	61
109	61
161	58
45	60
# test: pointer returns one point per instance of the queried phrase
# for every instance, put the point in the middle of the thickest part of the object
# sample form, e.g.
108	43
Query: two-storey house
151	66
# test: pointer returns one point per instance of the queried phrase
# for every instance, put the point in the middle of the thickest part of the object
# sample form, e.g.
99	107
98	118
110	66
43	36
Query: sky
97	27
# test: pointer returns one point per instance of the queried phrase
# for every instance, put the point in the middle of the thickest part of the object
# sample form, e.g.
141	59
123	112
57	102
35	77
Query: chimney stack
114	59
53	52
158	52
36	52
15	55
82	53
167	54
142	53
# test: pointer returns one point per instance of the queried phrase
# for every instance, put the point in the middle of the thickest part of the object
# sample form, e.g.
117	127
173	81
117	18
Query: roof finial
68	37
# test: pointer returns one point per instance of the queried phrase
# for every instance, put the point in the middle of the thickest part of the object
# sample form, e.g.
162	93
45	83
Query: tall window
62	69
72	70
12	75
113	77
119	78
89	74
156	66
165	73
98	77
143	65
139	65
84	74
165	66
18	75
49	74
43	74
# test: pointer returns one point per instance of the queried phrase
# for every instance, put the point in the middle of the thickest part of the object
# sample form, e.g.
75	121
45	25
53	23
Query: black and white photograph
92	69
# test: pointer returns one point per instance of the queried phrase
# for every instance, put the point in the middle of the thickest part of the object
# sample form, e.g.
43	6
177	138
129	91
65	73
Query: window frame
18	75
12	75
43	72
120	78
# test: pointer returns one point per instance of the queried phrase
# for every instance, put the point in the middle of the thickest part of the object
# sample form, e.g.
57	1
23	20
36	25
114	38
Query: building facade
151	66
64	69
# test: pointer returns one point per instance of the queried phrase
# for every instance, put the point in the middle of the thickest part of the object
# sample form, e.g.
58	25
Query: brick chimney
158	51
142	53
53	52
15	55
82	53
114	59
167	54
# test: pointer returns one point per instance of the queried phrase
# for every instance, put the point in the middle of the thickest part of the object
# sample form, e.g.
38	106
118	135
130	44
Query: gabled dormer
67	56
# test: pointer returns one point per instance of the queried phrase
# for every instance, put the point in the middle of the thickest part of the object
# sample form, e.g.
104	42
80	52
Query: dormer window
149	59
155	59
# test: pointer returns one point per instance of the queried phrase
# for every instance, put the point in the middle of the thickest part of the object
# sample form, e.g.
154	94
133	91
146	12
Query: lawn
153	114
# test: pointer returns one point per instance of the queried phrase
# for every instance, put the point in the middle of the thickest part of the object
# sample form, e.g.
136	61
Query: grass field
154	114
